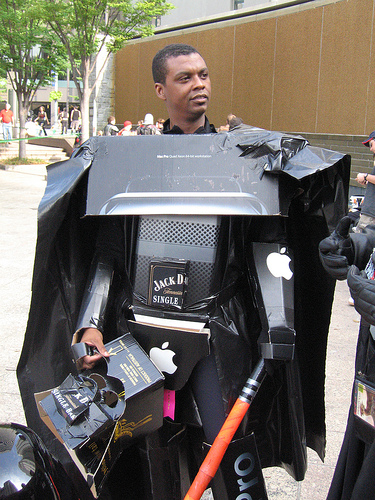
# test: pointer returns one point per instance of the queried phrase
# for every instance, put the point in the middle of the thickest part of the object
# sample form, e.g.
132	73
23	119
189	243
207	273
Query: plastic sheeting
285	192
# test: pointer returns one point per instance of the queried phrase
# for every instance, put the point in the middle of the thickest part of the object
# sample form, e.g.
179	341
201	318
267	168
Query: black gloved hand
336	252
362	290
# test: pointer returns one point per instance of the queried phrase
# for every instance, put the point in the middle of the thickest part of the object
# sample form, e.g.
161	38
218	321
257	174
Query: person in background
235	123
64	119
148	127
111	128
42	119
75	119
225	128
127	129
7	119
367	216
160	124
350	255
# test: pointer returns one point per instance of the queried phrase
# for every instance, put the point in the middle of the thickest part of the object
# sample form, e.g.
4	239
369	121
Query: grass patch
23	161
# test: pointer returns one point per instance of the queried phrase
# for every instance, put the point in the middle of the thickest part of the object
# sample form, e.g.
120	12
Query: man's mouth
200	98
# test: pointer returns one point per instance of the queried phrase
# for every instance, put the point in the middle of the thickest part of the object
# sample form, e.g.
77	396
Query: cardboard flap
175	352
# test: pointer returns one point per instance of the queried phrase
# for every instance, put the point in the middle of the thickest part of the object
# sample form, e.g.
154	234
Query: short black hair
159	66
234	122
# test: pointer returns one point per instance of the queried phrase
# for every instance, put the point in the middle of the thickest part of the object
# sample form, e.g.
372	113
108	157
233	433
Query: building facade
303	67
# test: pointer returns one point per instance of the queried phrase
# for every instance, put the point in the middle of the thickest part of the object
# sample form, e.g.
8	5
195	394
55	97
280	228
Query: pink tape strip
169	403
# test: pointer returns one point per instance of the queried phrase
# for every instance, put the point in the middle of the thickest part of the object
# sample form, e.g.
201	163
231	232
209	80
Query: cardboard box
168	347
96	448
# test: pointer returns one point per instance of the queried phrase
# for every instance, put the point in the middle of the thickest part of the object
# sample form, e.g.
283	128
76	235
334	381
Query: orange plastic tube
216	453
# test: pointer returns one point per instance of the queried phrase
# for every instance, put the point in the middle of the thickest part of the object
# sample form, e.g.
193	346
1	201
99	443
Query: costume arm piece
95	299
362	290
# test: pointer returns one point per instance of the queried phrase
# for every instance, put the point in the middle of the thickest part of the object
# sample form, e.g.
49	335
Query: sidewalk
21	190
37	169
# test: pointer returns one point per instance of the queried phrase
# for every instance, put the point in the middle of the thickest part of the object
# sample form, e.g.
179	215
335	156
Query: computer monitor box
194	240
190	239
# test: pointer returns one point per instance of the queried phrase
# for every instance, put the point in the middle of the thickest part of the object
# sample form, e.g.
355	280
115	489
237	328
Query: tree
28	55
88	27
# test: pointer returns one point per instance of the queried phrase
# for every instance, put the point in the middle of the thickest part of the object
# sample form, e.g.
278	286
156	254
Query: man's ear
159	89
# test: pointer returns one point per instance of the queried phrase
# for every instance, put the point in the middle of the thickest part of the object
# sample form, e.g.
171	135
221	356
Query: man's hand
93	337
361	179
336	251
362	290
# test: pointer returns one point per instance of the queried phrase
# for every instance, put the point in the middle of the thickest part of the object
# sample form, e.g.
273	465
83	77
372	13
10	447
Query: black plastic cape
272	186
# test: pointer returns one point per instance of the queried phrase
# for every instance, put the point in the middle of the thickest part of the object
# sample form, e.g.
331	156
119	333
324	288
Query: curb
36	169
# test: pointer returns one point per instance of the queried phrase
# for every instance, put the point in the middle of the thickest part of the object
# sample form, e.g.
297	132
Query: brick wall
103	97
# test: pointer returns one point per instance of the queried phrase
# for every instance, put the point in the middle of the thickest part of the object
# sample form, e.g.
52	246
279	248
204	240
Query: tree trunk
85	111
22	114
85	102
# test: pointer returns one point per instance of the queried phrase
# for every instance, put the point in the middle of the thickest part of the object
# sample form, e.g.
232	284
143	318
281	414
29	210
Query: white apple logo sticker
163	358
278	264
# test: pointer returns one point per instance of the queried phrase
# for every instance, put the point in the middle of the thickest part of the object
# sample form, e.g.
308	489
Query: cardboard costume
268	190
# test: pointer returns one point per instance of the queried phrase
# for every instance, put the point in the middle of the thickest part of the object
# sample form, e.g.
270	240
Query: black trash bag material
290	194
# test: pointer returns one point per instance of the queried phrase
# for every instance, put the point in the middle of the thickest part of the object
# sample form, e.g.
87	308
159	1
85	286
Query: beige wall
305	68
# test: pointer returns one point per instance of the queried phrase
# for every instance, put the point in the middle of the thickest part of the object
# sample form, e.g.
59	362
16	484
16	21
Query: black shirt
207	128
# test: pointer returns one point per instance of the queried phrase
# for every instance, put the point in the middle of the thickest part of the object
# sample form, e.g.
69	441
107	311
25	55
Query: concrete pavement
21	189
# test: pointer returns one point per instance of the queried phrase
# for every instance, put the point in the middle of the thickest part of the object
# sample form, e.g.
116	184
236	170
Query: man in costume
182	81
73	251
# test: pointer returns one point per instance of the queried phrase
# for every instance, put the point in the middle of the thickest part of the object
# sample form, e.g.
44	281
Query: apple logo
278	264
163	358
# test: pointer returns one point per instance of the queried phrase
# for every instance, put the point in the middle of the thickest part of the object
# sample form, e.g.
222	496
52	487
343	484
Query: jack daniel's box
95	447
168	281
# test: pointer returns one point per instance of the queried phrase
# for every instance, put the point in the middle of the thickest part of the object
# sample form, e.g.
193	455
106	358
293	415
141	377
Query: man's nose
198	82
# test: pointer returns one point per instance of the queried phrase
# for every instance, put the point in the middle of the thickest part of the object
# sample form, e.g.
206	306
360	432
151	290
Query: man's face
372	145
187	88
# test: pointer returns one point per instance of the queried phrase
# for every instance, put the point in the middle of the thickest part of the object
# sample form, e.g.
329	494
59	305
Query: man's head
7	106
149	119
370	142
235	122
230	117
182	81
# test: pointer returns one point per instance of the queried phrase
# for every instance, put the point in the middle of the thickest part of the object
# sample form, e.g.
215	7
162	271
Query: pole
55	102
214	457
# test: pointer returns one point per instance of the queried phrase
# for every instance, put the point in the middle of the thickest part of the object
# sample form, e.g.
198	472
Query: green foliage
55	95
28	50
85	26
22	161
